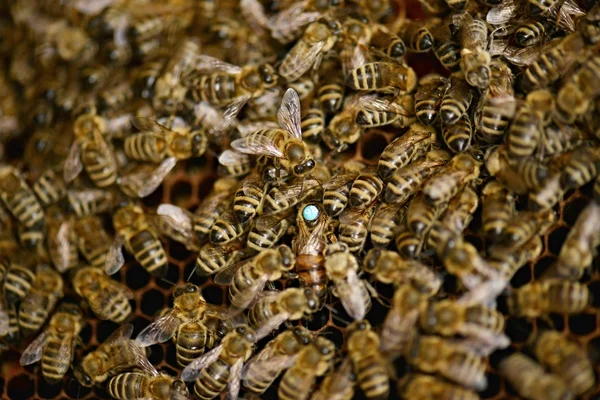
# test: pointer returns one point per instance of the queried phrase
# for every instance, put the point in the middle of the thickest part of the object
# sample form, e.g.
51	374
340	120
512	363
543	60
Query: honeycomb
185	187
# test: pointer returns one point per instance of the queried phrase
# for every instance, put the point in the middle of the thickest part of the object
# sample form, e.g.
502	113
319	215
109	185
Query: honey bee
428	97
140	239
498	208
531	381
92	240
149	384
382	76
456	101
46	290
116	353
212	258
365	189
90	201
221	368
274	308
566	359
578	250
400	322
458	135
156	141
497	106
521	227
342	129
390	268
61	242
49	188
385	221
313	121
354	227
107	298
421	215
401	150
433	354
248	278
551	295
226	229
319	37
19	199
18	279
429	387
146	76
115	97
278	355
56	344
406	180
507	264
336	192
92	152
580	168
284	144
330	93
417	37
474	57
367	360
213	205
462	169
445	49
520	176
387	42
279	199
376	112
525	132
313	361
248	198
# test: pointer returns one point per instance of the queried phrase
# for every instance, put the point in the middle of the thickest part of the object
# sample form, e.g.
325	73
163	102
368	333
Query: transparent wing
178	219
35	350
340	180
484	293
63	246
230	157
121	333
160	330
65	351
131	355
288	115
257	143
4	319
271	325
303	61
245	128
352	300
225	275
148	125
266	222
91	7
503	13
233	386
297	191
72	166
145	182
290	20
115	259
231	112
254	12
211	64
193	369
395	322
275	363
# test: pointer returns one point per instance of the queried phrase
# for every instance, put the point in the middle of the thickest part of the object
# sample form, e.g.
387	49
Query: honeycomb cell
178	251
104	329
595	288
138	323
494	387
521	277
319	319
213	294
21	387
152	301
154	199
556	239
181	192
137	277
518	329
582	324
74	390
542	265
170	278
372	146
48	391
572	210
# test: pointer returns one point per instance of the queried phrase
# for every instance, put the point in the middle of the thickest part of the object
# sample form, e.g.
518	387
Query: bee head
268	76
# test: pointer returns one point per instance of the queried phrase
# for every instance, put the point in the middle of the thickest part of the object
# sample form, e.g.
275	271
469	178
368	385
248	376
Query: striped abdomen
485	317
581	169
17	283
95	251
129	385
567	297
524	134
354	234
296	384
212	380
114	304
448	54
53	368
331	96
496	114
530	34
458	135
217	89
373	118
33	312
405	182
366	77
313	122
335	200
244	278
49	188
224	230
365	190
33	237
261	312
371	374
210	260
247	200
203	221
148	251
276	200
190	342
495	214
467	369
419	40
145	147
408	244
13	332
99	164
547	68
25	207
456	101
264	239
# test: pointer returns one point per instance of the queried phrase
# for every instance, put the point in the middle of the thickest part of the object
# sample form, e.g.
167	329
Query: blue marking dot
310	212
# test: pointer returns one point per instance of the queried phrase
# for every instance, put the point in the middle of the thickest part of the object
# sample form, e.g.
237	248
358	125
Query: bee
387	42
421	214
61	242
287	24
520	176
248	278
367	360
305	87
226	229
185	323
462	169
156	141
456	101
146	77
90	201
19	199
497	106
267	231
426	387
406	180
380	112
212	258
342	129
428	97
532	32
221	367
578	250
382	76
92	239
330	93
148	384
107	298
551	295
566	359
458	135
403	149
409	243
521	227
365	189
433	354
474	57
135	232
580	168
389	267
9	325
116	353
525	132
354	227
56	344
46	290
445	49
280	199
530	380
336	192
18	279
400	322
417	37
49	188
385	221
92	152
313	361
248	198
213	205
274	308
278	355
234	164
284	144
507	264
498	208
115	97
313	121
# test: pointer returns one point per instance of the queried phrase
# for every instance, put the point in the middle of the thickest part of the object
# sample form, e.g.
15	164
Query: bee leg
271	286
373	292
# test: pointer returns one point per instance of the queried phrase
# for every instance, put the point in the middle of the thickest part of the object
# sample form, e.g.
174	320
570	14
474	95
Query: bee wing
72	166
340	180
233	386
288	115
259	144
564	12
35	350
287	21
99	302
92	7
178	219
352	298
131	354
115	259
225	275
121	333
145	182
63	246
254	12
298	190
303	61
230	157
65	351
503	13
484	293
245	128
271	325
256	368
4	319
231	112
193	369
211	64
160	330
148	125
395	322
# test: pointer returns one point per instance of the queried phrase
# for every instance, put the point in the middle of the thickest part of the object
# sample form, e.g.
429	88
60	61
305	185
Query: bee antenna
334	315
192	273
168	281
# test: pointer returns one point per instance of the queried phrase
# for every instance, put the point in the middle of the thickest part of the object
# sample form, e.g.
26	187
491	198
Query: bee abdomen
458	135
129	385
212	381
365	190
49	188
372	118
335	201
53	368
99	167
17	284
190	342
366	77
331	97
148	251
295	384
246	202
26	209
372	377
144	147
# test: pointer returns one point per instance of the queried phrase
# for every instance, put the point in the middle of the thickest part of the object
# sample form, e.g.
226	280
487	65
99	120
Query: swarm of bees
478	125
